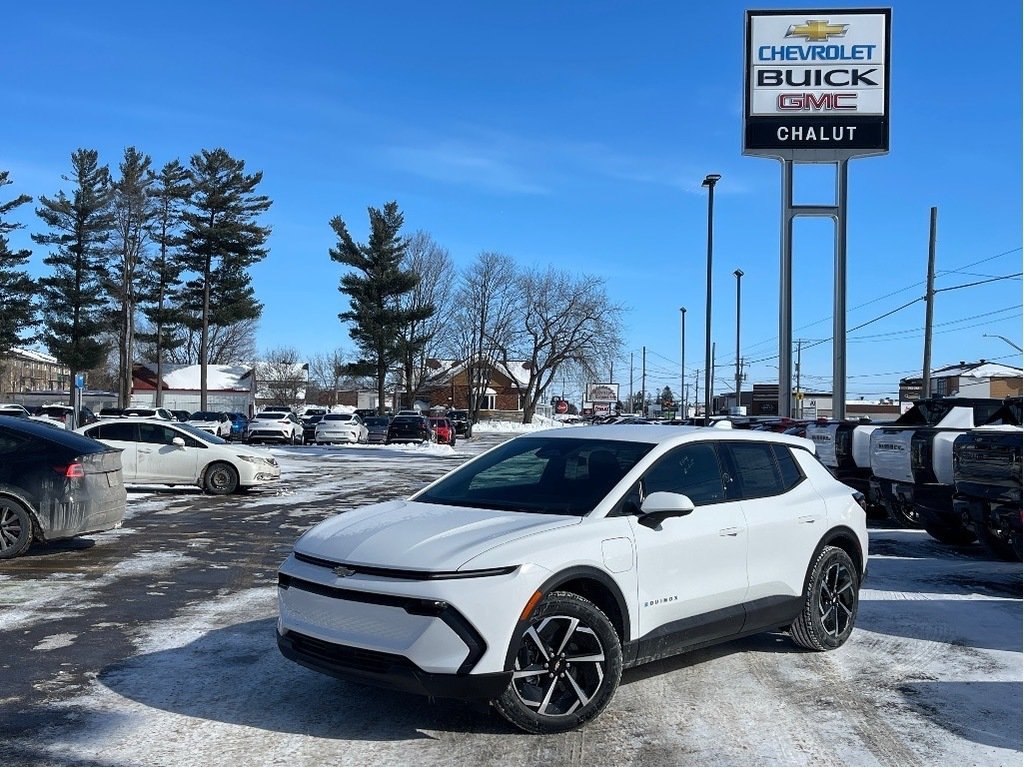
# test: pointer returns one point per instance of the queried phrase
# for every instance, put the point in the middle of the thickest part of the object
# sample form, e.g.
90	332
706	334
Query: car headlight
256	460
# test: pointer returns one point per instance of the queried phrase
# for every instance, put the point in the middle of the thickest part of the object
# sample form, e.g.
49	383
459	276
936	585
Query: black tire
947	533
15	529
831	598
220	479
903	514
576	656
997	539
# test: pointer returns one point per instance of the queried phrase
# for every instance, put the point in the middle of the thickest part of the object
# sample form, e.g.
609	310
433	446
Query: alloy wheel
559	667
836	599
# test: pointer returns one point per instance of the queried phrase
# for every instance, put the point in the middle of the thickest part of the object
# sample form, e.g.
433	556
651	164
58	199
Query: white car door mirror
178	442
661	505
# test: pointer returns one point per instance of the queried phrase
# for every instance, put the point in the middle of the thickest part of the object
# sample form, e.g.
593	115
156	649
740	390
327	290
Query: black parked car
55	484
460	420
181	415
410	429
309	427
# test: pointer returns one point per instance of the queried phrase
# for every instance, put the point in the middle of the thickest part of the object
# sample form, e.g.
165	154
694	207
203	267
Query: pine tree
17	290
222	240
375	288
132	209
76	305
161	303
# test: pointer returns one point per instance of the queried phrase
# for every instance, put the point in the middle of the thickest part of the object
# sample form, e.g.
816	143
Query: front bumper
336	437
443	637
386	670
269	434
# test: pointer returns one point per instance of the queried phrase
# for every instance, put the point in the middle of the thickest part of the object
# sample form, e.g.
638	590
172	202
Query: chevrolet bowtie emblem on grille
817	31
343	572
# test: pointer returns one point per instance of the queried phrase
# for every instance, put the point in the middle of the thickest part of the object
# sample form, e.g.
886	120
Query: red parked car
444	430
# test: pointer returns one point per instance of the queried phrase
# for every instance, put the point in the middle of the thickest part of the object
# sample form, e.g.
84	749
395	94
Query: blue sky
567	133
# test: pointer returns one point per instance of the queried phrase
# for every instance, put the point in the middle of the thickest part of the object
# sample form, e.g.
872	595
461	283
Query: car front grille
346	656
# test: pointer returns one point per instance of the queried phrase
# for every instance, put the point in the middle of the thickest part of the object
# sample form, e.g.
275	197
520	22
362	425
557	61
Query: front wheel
568	661
221	479
831	598
15	529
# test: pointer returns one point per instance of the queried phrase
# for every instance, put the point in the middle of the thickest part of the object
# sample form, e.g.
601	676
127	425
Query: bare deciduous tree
282	376
487	305
228	344
568	323
425	337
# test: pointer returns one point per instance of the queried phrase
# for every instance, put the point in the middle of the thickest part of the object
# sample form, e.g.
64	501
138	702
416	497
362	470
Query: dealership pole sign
817	84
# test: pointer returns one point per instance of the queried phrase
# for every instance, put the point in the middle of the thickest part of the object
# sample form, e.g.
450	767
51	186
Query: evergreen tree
17	290
375	289
161	304
222	240
79	229
132	208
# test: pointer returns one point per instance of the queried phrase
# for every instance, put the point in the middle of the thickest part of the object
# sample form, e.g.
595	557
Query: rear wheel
568	662
831	597
997	537
221	479
946	531
904	514
15	529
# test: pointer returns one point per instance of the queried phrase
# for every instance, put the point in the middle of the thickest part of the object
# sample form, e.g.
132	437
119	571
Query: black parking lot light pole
682	360
739	274
709	181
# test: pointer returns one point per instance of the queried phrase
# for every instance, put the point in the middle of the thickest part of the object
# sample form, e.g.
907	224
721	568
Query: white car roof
660	434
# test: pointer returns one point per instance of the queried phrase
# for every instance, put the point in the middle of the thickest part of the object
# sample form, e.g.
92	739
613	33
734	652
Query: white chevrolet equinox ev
531	576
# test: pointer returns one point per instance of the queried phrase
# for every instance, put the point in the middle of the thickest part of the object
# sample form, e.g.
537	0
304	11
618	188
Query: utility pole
696	391
929	309
643	383
630	382
710	394
799	394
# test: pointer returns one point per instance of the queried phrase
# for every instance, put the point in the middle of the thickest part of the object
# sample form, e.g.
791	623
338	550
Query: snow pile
539	422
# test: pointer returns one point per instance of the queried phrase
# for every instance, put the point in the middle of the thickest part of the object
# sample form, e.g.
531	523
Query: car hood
417	536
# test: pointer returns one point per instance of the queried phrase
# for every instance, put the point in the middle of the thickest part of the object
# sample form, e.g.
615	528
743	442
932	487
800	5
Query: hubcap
10	528
836	600
559	667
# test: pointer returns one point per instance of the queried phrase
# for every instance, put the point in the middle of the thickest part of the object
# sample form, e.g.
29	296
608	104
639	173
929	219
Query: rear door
785	518
122	435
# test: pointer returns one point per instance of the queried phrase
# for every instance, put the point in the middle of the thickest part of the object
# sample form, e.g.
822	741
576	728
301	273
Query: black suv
460	420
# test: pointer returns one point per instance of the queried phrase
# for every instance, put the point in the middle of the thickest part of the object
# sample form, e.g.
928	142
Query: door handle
806	519
732	531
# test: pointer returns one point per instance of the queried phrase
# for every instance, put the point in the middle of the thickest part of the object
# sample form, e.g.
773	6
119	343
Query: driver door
692	570
160	461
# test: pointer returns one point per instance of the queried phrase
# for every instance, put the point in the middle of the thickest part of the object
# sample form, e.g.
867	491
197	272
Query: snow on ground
539	422
931	676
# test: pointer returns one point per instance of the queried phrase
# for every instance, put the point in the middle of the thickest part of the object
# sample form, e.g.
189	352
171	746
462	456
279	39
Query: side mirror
661	505
178	442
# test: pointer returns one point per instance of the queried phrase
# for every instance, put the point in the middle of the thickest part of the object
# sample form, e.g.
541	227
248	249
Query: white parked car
215	422
279	426
149	413
155	452
533	575
341	428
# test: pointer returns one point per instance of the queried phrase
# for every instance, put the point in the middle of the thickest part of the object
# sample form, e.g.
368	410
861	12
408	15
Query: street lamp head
683	310
710	180
738	273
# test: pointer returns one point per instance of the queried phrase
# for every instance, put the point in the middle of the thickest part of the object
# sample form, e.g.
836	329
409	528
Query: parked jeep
987	476
912	461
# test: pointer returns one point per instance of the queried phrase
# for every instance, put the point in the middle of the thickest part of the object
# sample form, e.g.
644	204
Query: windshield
377	421
338	417
559	476
206	437
268	415
206	416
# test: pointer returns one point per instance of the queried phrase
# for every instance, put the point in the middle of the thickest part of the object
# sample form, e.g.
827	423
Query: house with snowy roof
230	388
980	379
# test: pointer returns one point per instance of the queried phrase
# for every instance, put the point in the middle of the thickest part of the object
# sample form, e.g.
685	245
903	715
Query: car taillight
921	452
73	470
843	440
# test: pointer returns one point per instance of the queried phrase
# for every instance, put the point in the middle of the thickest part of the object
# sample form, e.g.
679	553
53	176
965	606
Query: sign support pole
839	306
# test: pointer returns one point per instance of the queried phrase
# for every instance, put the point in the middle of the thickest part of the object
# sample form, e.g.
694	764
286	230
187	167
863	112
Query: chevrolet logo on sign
817	31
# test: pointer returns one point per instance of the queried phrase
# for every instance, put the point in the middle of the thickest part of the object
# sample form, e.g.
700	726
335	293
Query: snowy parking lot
154	645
